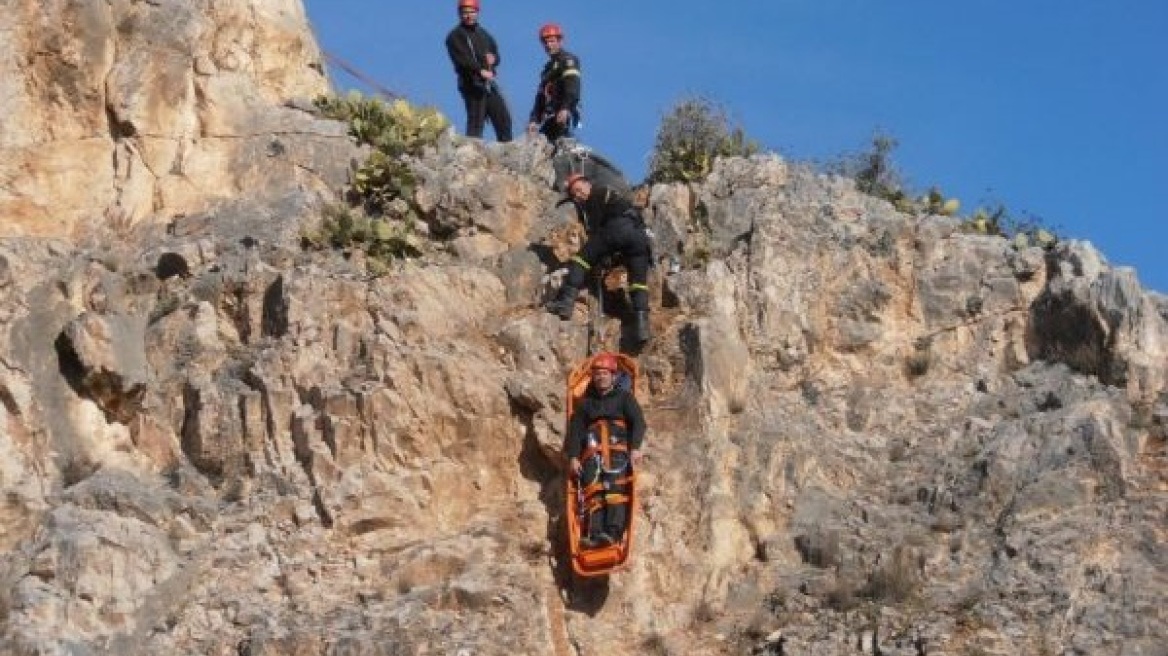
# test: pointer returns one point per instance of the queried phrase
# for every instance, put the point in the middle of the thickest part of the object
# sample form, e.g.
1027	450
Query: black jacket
468	47
605	205
617	404
559	87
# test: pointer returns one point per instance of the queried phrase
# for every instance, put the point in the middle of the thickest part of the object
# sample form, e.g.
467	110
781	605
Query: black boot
641	326
564	303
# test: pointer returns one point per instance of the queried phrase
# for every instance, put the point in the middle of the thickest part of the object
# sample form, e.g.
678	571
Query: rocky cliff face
869	432
123	111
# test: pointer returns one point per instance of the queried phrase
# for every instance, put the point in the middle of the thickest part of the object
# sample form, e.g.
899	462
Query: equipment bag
573	157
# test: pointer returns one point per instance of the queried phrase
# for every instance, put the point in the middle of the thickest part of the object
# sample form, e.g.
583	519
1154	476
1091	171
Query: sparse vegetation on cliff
694	133
877	174
381	221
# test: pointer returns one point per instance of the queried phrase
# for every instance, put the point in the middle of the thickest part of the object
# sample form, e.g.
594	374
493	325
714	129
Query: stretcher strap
605	445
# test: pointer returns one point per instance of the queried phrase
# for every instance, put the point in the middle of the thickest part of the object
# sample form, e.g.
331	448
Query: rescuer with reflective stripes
614	226
556	111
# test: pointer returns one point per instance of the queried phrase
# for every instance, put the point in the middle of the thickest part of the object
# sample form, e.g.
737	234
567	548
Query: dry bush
897	578
694	134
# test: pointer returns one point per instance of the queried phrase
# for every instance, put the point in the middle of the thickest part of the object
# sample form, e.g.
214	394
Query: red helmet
463	4
573	179
605	361
550	29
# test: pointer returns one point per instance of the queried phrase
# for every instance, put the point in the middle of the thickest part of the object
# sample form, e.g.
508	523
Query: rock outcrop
869	432
119	112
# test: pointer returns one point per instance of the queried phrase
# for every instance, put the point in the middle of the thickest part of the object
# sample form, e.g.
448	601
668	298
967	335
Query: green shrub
934	202
382	181
396	131
395	128
1023	232
691	137
876	174
986	221
382	240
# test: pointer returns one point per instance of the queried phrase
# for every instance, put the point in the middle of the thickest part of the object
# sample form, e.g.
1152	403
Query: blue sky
1056	108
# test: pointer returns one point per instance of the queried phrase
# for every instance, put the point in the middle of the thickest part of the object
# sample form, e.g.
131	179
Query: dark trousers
621	235
609	518
552	129
483	105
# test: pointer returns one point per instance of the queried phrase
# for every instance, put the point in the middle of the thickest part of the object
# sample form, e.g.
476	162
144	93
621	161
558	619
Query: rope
597	337
361	77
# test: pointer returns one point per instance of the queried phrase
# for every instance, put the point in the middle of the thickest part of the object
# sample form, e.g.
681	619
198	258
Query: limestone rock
868	432
170	106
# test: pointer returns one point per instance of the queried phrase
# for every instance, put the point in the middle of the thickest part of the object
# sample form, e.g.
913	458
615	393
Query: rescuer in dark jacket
475	56
556	110
613	226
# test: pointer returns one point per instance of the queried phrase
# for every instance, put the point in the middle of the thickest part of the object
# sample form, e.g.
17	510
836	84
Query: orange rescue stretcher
599	560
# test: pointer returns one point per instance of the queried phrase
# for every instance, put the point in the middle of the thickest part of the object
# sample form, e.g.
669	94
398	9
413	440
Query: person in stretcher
603	445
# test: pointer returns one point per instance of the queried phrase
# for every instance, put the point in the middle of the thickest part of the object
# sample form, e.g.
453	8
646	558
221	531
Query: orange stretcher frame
601	560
